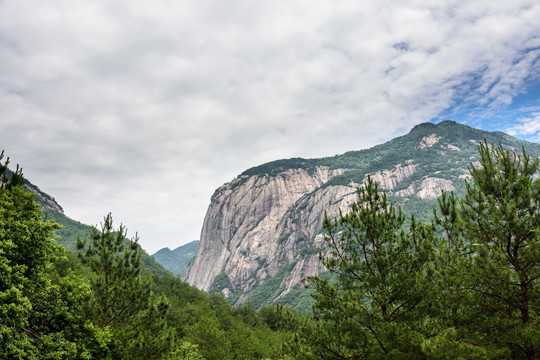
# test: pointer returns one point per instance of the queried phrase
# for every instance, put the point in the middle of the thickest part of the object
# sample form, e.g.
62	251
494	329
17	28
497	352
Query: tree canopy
465	287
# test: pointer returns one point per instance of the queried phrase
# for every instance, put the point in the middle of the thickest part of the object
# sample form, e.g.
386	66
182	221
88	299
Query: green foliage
40	312
493	254
186	351
123	300
422	209
222	282
378	304
71	229
275	167
298	299
150	266
268	290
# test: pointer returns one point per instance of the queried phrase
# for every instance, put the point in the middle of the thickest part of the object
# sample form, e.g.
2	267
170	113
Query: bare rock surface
250	218
45	201
429	141
431	188
389	179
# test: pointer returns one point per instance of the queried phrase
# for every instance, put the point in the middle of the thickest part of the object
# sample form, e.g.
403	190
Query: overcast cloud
145	108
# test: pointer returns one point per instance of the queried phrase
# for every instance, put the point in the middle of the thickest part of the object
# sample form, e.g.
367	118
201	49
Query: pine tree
123	300
501	216
119	288
492	256
376	305
40	316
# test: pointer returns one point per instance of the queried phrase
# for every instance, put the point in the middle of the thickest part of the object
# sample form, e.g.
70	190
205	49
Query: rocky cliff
262	230
248	219
46	201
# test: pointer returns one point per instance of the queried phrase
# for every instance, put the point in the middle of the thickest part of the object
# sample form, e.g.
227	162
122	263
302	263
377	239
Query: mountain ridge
178	259
262	230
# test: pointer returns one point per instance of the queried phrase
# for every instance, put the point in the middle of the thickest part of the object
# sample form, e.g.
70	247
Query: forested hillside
100	303
464	285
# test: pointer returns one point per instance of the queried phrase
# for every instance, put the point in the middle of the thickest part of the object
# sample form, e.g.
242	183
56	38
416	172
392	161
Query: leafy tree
40	314
378	303
186	351
211	339
123	300
107	310
493	255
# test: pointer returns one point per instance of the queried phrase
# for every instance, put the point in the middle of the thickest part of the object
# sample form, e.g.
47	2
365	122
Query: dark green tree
378	302
123	299
40	314
493	255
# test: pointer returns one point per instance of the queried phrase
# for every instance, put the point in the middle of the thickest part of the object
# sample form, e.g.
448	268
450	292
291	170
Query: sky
143	109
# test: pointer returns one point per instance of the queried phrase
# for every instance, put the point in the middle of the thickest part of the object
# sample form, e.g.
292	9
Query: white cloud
144	108
527	126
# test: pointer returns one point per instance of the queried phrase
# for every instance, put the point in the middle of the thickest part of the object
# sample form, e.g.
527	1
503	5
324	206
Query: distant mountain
67	236
262	230
178	259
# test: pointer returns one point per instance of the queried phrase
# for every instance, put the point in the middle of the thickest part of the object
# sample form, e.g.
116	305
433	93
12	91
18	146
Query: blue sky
144	108
520	118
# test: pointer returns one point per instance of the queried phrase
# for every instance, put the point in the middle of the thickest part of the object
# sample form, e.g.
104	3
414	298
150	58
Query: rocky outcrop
263	229
408	192
257	224
389	179
428	141
431	188
453	147
252	220
427	189
46	201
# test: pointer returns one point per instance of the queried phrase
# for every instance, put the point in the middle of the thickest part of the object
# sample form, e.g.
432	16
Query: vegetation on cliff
463	286
248	223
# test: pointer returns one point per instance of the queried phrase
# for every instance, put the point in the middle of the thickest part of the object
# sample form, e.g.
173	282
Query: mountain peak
261	232
178	259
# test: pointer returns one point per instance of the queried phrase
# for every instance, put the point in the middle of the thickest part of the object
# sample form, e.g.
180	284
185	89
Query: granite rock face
259	219
46	201
269	219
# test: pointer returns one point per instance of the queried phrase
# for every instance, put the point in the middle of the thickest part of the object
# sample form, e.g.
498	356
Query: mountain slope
262	230
67	235
177	260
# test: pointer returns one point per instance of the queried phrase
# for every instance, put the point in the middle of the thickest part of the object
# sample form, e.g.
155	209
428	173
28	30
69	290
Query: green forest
461	286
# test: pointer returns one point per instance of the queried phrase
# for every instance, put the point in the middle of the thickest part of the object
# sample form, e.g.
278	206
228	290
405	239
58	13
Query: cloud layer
143	109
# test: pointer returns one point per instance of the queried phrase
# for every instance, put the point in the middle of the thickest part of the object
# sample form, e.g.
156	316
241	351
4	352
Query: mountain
262	230
71	229
47	202
67	236
178	259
